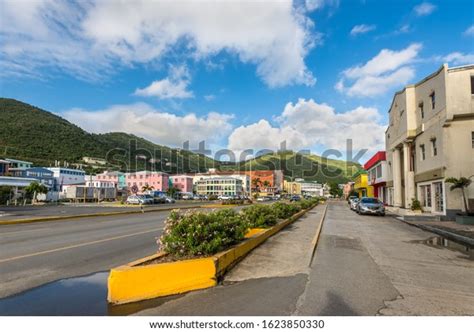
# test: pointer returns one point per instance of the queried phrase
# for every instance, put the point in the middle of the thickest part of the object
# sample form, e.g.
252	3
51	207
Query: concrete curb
314	242
449	235
100	214
136	282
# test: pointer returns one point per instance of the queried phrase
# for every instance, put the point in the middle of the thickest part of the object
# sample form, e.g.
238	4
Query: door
438	197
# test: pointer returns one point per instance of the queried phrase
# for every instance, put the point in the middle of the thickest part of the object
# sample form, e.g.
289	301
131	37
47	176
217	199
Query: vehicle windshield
370	200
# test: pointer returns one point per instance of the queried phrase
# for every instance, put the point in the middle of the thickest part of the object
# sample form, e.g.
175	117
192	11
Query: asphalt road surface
34	254
22	212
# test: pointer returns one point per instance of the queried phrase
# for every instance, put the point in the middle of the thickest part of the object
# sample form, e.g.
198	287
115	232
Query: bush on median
194	233
200	234
259	216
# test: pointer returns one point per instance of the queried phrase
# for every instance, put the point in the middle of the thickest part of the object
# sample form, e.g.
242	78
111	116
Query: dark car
295	198
368	205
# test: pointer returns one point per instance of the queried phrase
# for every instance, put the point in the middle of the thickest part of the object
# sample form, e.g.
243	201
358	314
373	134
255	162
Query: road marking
77	245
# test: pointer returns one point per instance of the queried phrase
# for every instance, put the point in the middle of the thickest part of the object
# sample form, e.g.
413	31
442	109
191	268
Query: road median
145	279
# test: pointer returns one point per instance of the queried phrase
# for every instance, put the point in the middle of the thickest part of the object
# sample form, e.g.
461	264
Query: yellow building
292	188
361	185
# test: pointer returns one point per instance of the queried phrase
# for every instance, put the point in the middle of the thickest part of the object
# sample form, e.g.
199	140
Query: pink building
157	180
182	182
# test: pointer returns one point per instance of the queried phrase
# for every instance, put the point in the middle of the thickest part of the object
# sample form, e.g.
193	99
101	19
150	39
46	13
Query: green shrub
415	204
284	210
259	216
199	234
212	197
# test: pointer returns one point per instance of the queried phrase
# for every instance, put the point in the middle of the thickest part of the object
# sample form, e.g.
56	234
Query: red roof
379	156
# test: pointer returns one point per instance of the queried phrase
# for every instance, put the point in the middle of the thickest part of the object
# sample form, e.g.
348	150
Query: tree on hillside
461	183
35	188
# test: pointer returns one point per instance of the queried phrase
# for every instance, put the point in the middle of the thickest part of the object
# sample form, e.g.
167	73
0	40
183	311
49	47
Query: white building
245	179
228	186
67	176
430	138
311	188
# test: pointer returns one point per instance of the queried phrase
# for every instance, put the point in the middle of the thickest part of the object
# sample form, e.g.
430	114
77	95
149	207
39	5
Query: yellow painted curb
138	281
314	242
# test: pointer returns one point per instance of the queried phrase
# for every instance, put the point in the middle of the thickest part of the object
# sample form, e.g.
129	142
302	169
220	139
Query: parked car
368	205
147	199
158	196
263	199
224	197
169	200
353	203
349	200
295	198
135	199
187	196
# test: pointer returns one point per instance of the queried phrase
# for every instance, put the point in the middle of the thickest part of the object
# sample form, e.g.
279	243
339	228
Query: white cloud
145	121
306	124
458	59
91	39
313	5
388	69
174	86
424	9
361	29
469	31
209	97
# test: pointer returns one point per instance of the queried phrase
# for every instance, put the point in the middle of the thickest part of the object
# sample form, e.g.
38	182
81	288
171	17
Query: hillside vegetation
30	133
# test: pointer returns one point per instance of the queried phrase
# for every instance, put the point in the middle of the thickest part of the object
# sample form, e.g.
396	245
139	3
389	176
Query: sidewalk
269	281
449	229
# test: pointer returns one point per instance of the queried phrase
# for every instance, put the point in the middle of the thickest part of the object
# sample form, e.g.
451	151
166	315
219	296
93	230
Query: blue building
43	175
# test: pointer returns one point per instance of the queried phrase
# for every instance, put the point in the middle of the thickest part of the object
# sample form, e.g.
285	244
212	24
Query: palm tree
461	183
266	183
172	191
147	187
35	188
256	182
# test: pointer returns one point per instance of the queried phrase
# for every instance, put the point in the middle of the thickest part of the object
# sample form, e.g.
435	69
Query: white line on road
77	245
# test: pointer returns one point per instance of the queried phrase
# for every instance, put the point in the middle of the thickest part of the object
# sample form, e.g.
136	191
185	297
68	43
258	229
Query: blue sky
239	75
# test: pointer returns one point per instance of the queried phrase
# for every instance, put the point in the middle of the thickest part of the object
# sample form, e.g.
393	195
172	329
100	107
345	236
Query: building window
472	139
422	149
422	112
433	100
433	146
472	85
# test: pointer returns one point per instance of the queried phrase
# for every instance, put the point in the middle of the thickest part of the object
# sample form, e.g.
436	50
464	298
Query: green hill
296	165
30	133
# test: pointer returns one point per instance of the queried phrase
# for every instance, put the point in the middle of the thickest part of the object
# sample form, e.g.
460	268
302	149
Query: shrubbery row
195	233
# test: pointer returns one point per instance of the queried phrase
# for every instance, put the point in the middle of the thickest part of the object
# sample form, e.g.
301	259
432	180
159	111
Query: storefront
432	196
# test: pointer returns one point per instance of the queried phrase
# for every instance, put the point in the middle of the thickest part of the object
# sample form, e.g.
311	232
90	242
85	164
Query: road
363	265
23	212
34	254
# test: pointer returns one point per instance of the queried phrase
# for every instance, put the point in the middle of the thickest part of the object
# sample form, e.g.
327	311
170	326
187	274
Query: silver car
353	203
368	205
